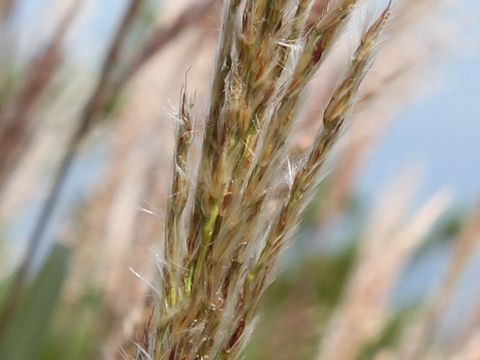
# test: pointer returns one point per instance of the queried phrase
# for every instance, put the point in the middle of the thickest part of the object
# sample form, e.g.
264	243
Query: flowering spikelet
175	239
221	254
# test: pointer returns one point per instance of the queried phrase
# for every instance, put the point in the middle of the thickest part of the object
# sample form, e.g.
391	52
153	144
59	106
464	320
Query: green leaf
27	330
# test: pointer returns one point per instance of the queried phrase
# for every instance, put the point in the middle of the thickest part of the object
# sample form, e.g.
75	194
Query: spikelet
176	247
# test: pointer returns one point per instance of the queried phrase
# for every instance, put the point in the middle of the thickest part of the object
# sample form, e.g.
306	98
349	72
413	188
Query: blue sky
441	132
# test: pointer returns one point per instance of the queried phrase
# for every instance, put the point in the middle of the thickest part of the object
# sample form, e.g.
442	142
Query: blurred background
439	130
88	90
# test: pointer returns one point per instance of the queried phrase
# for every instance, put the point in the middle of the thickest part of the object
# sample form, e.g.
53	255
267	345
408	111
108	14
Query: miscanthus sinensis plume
225	230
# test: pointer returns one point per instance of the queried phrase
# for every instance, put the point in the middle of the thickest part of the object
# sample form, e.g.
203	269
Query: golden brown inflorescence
220	254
